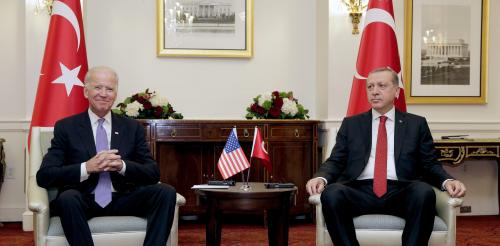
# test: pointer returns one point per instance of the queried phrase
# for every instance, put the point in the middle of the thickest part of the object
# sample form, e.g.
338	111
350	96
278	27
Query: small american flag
232	159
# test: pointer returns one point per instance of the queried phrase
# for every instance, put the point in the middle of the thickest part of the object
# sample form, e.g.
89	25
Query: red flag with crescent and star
378	48
60	86
259	151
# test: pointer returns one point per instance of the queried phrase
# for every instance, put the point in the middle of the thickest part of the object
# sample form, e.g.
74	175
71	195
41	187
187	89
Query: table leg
213	229
277	222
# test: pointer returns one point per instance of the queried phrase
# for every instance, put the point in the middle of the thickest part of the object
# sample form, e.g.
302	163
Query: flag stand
245	186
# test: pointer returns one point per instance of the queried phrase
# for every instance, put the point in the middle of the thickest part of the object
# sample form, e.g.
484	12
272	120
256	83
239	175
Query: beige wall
12	106
122	34
300	45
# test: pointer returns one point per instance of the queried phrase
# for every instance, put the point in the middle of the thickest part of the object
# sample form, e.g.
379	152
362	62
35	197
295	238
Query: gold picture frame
446	51
205	28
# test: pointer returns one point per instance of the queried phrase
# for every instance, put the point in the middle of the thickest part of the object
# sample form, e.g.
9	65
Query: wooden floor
473	231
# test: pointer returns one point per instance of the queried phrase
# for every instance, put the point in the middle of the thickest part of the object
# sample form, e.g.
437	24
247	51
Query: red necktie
380	173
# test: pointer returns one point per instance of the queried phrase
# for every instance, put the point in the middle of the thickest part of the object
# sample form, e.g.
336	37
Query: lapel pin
400	121
116	133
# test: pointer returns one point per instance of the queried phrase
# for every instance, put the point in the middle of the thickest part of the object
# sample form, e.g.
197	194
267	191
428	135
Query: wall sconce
355	8
42	5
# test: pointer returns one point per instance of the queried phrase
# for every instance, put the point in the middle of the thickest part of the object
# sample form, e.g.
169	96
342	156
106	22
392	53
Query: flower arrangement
276	105
147	105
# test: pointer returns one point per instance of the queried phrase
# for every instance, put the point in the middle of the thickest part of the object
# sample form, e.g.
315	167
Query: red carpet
245	235
471	231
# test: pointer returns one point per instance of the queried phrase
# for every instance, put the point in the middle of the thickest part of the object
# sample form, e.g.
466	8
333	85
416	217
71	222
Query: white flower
157	100
132	109
264	97
289	107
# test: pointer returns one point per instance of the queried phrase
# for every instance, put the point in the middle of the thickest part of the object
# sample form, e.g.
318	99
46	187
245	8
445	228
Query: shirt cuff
83	172
443	188
326	182
122	172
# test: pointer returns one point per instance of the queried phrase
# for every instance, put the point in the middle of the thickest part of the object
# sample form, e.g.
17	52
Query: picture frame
205	28
446	51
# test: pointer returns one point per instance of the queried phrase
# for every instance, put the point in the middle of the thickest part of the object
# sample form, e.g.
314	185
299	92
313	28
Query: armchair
386	230
109	230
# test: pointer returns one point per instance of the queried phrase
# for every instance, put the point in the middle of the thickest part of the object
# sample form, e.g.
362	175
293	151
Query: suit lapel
366	132
115	132
86	134
399	134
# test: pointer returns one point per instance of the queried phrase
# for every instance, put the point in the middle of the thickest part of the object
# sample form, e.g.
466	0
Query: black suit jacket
414	153
73	143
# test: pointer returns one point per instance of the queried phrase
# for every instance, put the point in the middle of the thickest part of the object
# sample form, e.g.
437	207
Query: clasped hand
104	161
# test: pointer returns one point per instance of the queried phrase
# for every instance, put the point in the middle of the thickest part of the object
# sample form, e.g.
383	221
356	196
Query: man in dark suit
384	161
100	177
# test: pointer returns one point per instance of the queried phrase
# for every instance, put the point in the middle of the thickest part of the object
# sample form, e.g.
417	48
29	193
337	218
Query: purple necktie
102	191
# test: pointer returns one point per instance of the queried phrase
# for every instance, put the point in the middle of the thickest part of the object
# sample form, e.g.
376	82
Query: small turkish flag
259	151
60	86
378	48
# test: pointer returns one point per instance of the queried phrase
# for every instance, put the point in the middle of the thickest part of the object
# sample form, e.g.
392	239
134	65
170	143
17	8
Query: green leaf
267	105
127	100
118	111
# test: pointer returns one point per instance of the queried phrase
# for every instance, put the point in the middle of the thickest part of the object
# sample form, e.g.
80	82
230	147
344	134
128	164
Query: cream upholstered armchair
386	230
109	230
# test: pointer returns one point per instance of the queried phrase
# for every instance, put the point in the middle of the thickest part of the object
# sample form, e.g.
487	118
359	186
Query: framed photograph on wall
446	51
205	28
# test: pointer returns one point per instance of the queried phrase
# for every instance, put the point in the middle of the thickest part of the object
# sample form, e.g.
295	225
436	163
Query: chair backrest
41	138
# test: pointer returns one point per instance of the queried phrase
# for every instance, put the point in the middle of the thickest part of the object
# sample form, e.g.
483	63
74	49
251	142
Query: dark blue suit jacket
73	143
414	153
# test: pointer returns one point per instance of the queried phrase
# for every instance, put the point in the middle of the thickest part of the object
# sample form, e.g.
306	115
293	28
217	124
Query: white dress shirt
389	125
94	122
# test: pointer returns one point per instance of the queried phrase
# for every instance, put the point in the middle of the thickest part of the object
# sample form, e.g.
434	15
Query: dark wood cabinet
187	152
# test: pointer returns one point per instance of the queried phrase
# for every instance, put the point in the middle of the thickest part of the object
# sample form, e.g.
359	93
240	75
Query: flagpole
248	174
253	144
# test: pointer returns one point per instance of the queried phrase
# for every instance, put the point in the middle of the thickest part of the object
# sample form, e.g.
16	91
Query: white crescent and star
263	146
378	15
69	77
63	10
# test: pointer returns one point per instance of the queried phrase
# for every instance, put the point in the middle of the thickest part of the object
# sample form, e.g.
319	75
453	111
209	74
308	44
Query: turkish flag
259	151
60	86
378	48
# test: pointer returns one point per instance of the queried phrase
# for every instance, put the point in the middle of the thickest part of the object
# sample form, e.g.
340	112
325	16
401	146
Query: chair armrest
446	206
180	200
38	199
315	199
320	220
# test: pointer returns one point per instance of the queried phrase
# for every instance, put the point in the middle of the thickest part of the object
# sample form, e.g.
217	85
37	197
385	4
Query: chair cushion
103	224
390	222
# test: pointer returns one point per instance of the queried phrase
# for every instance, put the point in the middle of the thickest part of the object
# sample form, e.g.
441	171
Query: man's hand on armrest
455	188
315	186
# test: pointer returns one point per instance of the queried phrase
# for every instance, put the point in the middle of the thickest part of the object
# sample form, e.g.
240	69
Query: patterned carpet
245	235
471	231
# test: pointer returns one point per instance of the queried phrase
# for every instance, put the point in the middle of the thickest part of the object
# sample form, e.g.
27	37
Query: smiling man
102	166
383	162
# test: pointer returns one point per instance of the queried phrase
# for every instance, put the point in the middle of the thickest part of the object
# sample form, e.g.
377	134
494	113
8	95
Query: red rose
141	100
276	94
275	112
257	109
278	102
147	105
158	112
